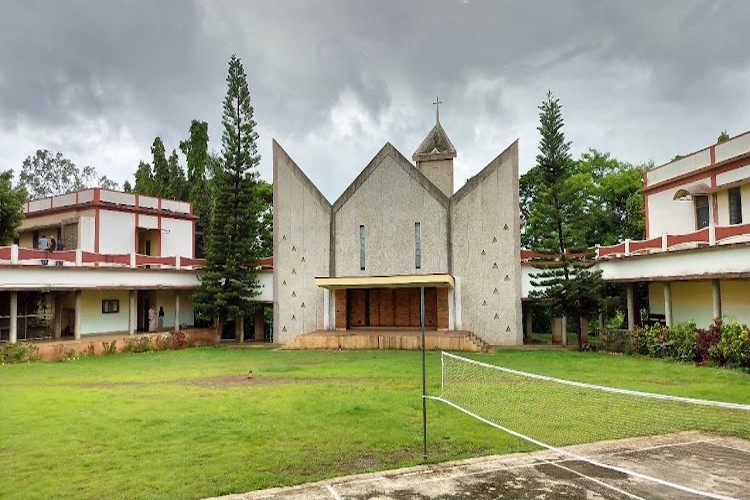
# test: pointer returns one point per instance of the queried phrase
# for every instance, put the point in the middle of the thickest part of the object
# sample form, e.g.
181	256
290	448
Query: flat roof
394	281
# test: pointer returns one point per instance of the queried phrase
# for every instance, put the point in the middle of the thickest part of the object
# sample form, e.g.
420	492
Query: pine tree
176	182
229	275
558	221
199	180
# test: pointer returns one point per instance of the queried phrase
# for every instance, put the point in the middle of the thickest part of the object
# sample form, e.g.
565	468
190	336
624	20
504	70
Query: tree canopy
47	174
12	200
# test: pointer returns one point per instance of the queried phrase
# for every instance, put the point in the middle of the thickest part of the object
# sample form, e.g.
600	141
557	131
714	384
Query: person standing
44	245
152	319
161	317
52	244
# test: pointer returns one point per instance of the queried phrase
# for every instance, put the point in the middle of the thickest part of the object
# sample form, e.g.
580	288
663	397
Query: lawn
191	424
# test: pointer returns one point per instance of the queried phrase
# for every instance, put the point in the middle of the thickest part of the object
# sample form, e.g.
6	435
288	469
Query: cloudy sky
332	81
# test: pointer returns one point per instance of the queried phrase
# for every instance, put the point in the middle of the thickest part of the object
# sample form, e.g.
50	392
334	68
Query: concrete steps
389	339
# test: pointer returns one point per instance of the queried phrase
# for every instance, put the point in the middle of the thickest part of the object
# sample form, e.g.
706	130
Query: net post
424	375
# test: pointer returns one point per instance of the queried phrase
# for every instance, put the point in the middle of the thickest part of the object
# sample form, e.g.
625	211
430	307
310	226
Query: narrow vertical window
362	248
701	212
735	206
417	246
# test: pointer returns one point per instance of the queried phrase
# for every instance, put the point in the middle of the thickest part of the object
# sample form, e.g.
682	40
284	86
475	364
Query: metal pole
424	376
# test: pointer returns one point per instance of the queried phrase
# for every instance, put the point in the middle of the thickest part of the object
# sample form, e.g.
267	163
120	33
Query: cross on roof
437	104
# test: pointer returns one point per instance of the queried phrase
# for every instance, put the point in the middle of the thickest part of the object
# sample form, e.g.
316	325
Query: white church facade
358	263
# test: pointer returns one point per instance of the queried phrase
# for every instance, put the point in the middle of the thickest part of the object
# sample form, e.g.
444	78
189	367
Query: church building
358	263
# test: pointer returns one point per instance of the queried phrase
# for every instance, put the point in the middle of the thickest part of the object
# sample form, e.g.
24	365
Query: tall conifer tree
558	223
229	276
161	169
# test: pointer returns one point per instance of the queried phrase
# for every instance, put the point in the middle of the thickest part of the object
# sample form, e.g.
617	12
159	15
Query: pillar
176	310
529	320
584	330
239	328
668	303
57	322
13	335
564	327
716	292
559	330
79	307
260	323
326	313
631	306
132	311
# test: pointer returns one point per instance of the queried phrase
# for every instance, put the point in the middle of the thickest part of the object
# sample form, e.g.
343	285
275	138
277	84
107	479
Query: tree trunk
579	334
219	325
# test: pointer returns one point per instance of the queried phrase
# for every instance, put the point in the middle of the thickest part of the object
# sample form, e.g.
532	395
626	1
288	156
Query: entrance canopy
396	281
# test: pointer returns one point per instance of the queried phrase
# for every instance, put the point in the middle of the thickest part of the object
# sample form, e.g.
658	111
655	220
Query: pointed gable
435	146
389	150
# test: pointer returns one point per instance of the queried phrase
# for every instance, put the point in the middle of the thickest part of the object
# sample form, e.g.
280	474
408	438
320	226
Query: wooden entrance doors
390	307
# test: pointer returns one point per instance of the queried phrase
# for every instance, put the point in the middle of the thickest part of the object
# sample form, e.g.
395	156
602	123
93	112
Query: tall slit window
701	211
417	246
735	206
362	248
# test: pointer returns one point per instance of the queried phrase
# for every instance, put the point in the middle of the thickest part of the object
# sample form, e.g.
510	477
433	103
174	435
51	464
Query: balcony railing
78	258
708	236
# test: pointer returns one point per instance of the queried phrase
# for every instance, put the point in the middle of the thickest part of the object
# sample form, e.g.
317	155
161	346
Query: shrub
682	344
18	353
172	340
733	349
705	340
139	344
109	348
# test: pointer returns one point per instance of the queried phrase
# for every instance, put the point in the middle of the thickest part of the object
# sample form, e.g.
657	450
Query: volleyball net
554	413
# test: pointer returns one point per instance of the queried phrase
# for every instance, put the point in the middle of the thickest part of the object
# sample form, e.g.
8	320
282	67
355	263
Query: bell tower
434	157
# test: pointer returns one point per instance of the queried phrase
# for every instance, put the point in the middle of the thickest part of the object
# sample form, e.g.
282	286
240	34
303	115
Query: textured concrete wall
486	247
301	246
388	198
440	172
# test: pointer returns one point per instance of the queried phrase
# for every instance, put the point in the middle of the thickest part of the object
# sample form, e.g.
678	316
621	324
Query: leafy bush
18	353
705	340
109	348
733	349
681	343
137	344
172	340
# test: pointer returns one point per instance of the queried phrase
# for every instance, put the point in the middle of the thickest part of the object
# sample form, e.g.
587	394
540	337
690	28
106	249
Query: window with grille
110	306
701	211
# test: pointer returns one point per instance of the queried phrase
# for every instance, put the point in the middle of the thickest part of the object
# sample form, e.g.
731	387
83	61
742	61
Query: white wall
116	232
680	167
693	301
729	149
86	233
176	237
93	321
665	214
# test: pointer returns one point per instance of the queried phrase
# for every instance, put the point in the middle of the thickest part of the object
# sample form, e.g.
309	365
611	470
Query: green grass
189	424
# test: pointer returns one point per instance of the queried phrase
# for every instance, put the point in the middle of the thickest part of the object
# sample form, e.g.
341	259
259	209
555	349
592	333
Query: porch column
57	321
564	328
716	292
260	323
529	320
79	307
631	307
668	303
457	302
132	311
176	310
326	312
559	330
13	335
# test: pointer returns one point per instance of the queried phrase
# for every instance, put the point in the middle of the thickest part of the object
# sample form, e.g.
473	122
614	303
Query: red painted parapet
33	253
150	260
700	236
610	250
723	232
105	258
192	263
638	245
5	253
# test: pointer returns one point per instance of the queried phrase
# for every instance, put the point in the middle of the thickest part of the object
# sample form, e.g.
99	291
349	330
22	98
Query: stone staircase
390	339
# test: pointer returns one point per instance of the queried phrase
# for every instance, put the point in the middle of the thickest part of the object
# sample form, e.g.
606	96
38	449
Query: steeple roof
436	146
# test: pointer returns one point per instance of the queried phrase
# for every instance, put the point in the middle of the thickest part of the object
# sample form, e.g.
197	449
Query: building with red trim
122	254
696	255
